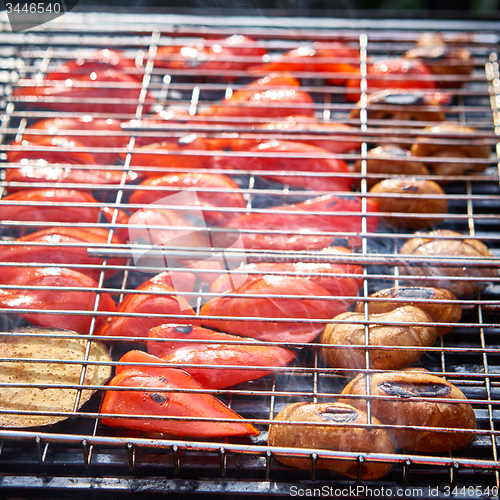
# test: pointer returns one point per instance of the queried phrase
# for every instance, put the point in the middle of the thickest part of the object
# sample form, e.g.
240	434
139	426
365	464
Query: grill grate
122	461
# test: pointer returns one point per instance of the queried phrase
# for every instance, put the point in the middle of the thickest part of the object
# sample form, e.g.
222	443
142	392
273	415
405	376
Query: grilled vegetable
448	141
297	317
63	245
162	301
276	96
156	396
441	244
338	433
407	327
221	55
100	91
322	59
215	354
425	298
220	193
95	133
412	197
400	104
396	74
401	409
66	360
389	161
330	276
327	213
41	161
449	64
54	205
329	174
161	158
54	299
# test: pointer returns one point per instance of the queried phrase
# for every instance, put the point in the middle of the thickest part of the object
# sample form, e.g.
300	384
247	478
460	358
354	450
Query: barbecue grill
79	453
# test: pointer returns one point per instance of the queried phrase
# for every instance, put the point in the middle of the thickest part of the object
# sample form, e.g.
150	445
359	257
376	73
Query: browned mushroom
436	302
442	59
443	244
416	398
391	161
411	196
338	433
448	140
400	105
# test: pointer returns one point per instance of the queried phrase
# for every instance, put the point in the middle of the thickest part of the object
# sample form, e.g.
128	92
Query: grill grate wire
468	357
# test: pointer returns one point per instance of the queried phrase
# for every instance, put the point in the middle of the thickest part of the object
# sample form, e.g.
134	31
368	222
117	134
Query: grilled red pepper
161	158
344	216
156	396
66	246
221	55
100	60
282	156
58	298
321	59
298	316
215	354
395	74
169	229
337	284
221	193
163	301
46	160
281	97
100	91
55	205
95	133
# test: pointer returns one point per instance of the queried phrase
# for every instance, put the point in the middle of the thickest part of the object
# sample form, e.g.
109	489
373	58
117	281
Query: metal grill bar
467	357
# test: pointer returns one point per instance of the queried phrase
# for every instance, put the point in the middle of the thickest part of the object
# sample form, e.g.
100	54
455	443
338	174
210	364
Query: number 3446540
33	8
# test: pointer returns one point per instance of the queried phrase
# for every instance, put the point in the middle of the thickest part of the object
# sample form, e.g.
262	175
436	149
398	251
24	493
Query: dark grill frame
113	462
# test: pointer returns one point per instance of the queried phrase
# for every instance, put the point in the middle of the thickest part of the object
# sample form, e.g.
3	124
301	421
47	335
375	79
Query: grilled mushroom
427	299
400	105
448	140
404	326
411	196
338	434
447	244
403	387
389	160
442	59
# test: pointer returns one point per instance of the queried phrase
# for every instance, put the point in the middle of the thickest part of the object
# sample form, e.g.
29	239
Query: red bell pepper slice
167	228
395	74
63	245
336	285
49	205
215	354
311	305
100	60
161	158
101	91
45	160
281	156
95	133
221	55
221	193
55	205
280	98
335	57
58	278
164	301
156	396
348	221
325	135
